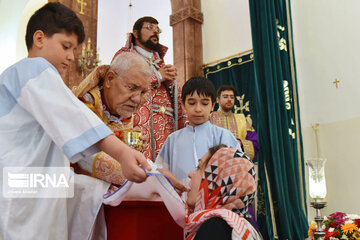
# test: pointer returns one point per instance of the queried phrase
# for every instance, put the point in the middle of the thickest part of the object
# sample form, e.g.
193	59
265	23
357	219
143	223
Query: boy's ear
217	100
182	104
38	39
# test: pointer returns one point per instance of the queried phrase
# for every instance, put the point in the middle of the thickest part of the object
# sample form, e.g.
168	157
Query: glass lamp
317	190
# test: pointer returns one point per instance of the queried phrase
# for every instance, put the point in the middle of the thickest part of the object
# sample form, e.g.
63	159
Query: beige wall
338	144
14	16
327	47
226	30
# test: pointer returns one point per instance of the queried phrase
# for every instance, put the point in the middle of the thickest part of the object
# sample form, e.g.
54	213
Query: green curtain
281	172
233	72
267	78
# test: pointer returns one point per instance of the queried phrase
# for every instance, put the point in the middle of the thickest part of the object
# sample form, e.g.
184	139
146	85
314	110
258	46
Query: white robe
42	124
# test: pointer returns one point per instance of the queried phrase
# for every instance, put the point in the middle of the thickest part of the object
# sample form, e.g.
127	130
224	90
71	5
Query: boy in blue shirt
183	148
42	124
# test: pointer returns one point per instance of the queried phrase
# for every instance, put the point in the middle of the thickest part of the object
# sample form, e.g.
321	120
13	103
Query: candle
89	43
316	129
83	50
97	54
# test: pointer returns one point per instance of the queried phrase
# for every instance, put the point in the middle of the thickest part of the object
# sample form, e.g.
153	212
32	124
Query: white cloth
183	148
42	124
156	183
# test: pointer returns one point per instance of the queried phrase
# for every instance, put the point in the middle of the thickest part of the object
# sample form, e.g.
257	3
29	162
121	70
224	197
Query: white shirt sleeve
69	123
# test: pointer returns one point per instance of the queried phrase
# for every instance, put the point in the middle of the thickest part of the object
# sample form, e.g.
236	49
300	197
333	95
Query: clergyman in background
163	113
238	124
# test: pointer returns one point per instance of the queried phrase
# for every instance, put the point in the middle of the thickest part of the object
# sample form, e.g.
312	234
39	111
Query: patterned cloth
241	127
89	91
163	113
228	182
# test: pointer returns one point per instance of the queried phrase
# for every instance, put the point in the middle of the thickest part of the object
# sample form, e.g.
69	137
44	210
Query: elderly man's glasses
134	91
153	28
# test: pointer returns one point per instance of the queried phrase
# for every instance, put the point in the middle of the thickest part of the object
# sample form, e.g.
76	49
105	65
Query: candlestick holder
318	204
86	61
317	190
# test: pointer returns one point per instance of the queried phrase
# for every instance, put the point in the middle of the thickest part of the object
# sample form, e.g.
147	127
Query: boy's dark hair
225	88
201	85
54	18
140	22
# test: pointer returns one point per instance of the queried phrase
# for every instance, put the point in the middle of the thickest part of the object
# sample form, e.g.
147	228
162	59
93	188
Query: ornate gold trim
227	58
219	69
241	121
272	212
96	158
248	148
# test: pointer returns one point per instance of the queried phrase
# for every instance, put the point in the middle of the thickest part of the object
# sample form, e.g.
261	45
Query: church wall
226	29
14	16
326	43
337	145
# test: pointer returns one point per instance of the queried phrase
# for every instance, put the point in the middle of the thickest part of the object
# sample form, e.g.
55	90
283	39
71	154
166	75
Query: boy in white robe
42	124
183	148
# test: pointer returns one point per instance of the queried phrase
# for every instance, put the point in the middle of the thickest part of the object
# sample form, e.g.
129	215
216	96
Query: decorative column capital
185	13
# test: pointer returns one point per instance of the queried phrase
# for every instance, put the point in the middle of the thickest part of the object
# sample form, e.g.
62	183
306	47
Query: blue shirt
183	148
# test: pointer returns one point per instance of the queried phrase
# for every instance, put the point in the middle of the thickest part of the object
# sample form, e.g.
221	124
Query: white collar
143	51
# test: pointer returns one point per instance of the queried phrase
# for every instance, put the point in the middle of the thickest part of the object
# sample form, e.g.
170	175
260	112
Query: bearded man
163	113
238	124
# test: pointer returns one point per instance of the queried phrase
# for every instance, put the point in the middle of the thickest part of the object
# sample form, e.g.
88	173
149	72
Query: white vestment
42	124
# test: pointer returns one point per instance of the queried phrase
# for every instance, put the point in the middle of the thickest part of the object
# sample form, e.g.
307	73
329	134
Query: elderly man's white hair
125	60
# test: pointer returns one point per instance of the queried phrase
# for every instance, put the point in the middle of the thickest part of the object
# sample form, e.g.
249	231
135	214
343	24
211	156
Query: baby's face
195	180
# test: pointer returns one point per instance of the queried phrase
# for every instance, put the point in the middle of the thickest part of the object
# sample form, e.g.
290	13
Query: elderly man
163	113
240	126
114	93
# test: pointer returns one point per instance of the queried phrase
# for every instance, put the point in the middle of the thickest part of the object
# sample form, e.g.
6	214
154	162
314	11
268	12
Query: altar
140	220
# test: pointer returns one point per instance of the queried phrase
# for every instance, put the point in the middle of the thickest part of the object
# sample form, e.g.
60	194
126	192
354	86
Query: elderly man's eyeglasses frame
134	91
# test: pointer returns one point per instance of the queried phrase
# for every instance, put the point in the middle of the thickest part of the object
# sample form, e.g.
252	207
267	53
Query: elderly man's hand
132	160
168	72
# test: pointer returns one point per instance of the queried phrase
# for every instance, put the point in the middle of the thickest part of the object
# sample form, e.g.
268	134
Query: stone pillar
186	20
86	10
